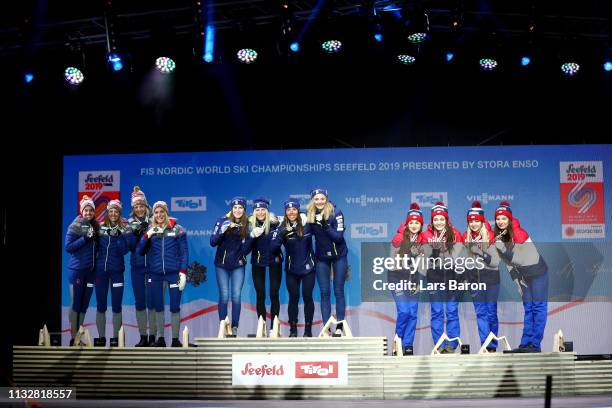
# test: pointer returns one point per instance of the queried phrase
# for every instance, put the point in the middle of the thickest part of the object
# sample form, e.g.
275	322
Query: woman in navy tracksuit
112	247
165	242
330	250
480	242
233	242
81	244
262	226
529	272
296	235
139	224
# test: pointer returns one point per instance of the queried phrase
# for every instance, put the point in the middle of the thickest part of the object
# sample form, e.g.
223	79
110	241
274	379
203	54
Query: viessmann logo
197	203
365	200
316	369
485	198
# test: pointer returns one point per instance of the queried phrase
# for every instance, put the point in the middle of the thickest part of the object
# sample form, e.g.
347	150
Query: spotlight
331	46
488	64
417	37
165	65
28	77
570	68
115	61
294	46
209	43
406	59
607	66
247	55
73	76
378	37
525	61
449	56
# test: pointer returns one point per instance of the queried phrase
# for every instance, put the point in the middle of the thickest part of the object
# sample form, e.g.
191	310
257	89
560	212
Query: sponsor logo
99	180
303	199
249	202
370	230
485	198
316	369
198	233
429	199
263	370
363	200
197	203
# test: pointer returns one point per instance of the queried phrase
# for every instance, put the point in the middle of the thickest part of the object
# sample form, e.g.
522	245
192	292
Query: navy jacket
329	237
81	248
167	252
298	250
112	247
138	228
263	254
231	249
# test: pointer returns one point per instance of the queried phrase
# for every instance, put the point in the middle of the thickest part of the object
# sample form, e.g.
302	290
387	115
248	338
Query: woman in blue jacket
330	250
262	226
233	242
295	234
139	224
80	243
112	247
165	243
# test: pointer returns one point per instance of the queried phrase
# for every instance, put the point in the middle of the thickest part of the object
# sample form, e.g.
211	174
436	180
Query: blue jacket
329	237
111	250
231	249
263	254
138	228
298	250
167	252
81	248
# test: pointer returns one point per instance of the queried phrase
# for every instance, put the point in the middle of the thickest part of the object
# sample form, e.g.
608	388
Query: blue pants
155	292
83	287
139	279
293	286
103	279
407	311
485	305
224	276
440	299
535	303
323	269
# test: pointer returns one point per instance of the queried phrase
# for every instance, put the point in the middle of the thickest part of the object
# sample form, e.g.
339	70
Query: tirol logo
485	198
316	369
197	203
429	199
263	370
363	200
369	230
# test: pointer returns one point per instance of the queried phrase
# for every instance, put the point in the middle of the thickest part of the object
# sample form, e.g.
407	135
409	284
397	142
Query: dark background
361	98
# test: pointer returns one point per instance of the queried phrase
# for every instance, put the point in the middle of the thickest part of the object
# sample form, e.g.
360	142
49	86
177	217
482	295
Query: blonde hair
165	224
311	210
266	222
484	233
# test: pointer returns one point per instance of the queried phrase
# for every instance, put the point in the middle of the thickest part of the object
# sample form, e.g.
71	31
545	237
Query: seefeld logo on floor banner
289	369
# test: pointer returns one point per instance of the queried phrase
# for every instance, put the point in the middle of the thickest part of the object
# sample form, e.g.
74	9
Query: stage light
332	46
209	43
247	55
570	68
607	66
73	76
295	46
525	61
406	59
165	65
417	38
449	56
378	37
28	77
488	64
115	61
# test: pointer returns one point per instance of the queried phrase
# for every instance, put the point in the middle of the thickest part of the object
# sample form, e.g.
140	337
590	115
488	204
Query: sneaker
448	349
100	342
530	348
114	342
176	342
151	340
520	349
235	331
308	330
408	351
161	342
491	350
144	341
292	329
338	332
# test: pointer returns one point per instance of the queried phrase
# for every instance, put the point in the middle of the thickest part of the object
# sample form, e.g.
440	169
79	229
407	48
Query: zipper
258	256
289	266
334	245
223	260
93	255
163	256
106	259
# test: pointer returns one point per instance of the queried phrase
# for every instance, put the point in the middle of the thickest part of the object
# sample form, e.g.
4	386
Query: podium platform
205	372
